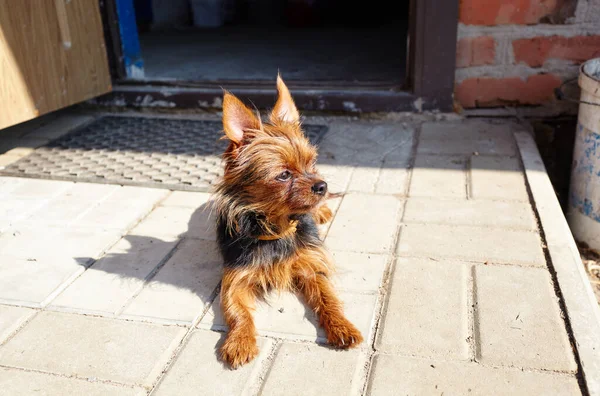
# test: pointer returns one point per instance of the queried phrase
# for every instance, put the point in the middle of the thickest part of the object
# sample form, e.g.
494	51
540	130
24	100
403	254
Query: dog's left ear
285	109
237	119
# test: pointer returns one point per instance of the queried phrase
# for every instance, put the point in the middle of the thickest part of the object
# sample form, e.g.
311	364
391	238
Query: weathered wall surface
516	52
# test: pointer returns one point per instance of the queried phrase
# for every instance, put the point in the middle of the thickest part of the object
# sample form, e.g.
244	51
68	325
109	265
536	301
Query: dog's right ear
237	118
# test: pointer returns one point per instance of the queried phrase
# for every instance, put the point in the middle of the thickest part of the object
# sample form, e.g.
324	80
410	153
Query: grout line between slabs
379	311
84	379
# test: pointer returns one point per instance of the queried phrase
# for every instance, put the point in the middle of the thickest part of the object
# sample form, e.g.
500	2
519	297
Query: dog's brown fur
267	230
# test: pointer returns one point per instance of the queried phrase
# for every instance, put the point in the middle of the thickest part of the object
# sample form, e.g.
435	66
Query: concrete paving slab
365	223
467	130
122	209
285	315
485	245
483	213
467	147
11	318
528	332
181	289
41	243
113	280
17	382
198	369
84	346
63	209
323	370
430	377
361	272
41	188
426	314
33	282
174	221
186	199
439	176
497	178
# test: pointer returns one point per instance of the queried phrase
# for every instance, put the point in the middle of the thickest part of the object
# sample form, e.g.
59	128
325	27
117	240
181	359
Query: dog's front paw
342	334
239	350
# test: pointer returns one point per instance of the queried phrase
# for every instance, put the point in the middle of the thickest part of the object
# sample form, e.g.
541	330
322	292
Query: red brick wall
516	52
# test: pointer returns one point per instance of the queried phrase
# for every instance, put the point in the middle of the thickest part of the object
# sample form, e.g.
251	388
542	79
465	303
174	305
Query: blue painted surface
585	178
130	42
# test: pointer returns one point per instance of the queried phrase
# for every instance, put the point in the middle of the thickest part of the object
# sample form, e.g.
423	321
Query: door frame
429	81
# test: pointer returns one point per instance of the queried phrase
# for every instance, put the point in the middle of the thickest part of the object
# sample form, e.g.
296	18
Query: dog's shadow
177	280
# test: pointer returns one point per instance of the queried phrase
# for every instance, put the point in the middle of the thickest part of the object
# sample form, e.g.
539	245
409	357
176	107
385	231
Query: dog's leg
311	276
237	304
323	214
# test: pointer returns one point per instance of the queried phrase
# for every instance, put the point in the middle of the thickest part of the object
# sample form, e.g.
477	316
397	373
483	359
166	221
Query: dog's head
270	167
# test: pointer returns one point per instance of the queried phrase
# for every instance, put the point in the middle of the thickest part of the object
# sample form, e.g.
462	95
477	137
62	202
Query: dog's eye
284	176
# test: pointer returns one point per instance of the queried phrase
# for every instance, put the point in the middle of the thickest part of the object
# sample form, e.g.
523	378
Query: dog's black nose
319	188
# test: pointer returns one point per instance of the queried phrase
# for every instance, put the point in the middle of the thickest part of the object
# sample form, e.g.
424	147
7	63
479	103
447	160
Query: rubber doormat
138	151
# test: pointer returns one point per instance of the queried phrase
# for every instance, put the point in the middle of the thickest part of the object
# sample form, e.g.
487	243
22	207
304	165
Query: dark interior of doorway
329	41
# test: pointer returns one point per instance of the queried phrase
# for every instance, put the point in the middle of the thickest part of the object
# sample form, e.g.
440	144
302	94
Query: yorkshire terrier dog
268	204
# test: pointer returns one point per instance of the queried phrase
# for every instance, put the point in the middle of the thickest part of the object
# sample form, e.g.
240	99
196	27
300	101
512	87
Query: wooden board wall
39	71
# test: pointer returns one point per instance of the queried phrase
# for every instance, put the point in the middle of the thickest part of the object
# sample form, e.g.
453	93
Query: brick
285	315
360	272
11	318
439	176
198	368
21	383
471	244
85	346
426	314
501	214
475	51
176	221
302	369
497	178
430	377
514	12
32	282
493	92
115	278
519	320
365	223
537	50
183	287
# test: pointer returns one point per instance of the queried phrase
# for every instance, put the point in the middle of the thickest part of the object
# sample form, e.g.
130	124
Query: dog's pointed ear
237	118
285	109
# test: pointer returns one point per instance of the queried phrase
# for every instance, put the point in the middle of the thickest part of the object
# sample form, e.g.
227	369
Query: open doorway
335	56
308	41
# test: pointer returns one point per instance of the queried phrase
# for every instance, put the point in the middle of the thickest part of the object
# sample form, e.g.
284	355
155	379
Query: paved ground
112	290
